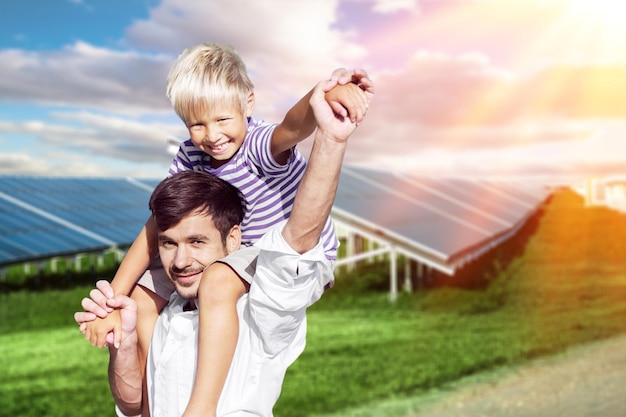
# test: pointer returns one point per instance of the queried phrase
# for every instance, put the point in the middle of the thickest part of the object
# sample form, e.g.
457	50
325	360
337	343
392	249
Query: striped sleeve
188	158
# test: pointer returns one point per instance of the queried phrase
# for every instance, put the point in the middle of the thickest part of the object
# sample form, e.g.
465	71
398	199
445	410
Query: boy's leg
219	290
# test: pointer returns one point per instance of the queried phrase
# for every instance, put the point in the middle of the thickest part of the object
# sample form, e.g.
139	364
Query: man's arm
292	269
125	373
316	192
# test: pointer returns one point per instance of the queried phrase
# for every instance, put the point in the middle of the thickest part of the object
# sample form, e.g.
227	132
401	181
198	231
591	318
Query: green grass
51	373
39	310
47	368
363	353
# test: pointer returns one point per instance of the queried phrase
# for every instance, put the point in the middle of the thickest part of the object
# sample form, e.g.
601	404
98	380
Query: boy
211	92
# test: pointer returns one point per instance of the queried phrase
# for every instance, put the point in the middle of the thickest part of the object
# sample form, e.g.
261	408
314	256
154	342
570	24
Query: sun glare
590	28
607	13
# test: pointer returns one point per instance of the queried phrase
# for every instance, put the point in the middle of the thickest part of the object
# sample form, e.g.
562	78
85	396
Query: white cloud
59	164
392	6
438	108
97	135
23	163
287	46
108	102
86	76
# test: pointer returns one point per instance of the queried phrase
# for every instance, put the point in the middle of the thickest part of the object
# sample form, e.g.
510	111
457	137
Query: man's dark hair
196	191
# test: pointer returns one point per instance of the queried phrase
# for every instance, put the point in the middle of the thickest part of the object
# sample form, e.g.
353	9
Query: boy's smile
219	149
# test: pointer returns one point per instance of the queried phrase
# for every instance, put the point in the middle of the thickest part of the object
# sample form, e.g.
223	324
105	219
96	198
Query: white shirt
272	334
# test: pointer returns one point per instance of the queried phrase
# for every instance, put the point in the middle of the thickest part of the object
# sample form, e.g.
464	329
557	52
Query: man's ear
233	240
250	104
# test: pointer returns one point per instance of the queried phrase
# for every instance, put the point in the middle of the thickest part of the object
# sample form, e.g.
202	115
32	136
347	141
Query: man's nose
181	260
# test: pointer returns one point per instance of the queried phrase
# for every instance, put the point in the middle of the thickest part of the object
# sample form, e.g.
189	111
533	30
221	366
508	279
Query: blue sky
464	87
49	25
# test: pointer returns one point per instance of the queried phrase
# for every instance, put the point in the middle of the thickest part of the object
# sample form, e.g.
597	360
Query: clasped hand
106	317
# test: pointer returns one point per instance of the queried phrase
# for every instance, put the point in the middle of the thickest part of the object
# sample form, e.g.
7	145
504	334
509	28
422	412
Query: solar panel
437	220
43	216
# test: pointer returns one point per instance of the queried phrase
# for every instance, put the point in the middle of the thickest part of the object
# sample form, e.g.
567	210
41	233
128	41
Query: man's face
187	248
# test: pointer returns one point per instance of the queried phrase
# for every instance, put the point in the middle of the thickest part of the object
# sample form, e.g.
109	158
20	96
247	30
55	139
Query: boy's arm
299	122
137	259
132	267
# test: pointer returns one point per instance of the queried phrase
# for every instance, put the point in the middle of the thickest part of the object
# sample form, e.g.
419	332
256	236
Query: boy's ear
250	104
233	240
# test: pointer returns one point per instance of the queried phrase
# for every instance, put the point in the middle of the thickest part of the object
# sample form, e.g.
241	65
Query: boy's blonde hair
206	75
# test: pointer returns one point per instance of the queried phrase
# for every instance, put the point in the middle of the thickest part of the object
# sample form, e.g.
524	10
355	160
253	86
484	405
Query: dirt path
586	381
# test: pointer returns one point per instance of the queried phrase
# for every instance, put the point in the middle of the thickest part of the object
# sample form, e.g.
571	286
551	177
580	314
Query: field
568	286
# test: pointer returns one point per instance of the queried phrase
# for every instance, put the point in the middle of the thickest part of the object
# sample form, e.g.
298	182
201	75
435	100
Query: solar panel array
42	217
441	222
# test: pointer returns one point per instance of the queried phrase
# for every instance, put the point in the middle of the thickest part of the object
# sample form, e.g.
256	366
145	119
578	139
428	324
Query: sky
473	88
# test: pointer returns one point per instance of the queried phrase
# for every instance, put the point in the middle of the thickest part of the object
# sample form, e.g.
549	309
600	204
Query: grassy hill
567	286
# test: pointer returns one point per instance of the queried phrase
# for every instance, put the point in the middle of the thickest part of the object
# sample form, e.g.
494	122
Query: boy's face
188	247
219	131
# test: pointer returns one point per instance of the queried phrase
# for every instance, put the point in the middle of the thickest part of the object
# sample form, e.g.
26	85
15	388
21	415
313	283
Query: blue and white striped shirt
267	189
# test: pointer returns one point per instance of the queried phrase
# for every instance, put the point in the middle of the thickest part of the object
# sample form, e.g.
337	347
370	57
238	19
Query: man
290	275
